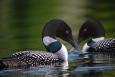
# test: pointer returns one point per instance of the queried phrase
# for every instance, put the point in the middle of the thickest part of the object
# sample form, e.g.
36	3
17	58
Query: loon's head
91	28
58	28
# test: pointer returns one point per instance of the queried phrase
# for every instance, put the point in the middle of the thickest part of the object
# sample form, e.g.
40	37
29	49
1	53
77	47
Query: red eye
85	30
67	32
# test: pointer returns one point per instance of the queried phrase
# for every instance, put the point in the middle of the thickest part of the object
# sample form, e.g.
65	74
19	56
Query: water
21	24
53	72
77	68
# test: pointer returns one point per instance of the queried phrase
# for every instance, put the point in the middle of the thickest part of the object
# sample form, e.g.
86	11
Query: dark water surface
77	68
21	24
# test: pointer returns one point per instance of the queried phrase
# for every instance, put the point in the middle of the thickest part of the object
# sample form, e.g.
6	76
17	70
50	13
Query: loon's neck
87	46
63	54
62	51
47	40
98	39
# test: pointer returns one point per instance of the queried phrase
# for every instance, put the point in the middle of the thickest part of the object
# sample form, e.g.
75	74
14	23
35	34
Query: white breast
85	48
63	54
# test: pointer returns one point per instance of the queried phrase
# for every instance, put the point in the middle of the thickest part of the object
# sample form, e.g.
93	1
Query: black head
91	28
58	28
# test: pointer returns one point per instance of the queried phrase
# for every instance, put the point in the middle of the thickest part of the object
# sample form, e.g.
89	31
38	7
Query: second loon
98	43
57	54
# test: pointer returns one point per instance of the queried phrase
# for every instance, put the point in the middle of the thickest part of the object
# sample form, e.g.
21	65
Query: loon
57	54
97	43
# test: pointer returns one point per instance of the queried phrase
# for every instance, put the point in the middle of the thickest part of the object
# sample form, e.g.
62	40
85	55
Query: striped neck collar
54	46
98	39
51	44
47	40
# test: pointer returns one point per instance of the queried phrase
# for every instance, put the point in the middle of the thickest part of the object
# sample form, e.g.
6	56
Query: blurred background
22	21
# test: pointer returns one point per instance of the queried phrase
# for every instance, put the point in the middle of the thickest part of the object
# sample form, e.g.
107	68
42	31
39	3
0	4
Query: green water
22	21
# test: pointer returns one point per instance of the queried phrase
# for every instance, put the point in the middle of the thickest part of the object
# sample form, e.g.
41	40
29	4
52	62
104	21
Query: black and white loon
57	54
98	43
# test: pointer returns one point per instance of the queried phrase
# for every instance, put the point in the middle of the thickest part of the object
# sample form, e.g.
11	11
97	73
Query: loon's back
103	51
31	58
106	45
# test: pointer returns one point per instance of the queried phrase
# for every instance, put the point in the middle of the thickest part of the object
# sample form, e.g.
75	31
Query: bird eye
67	32
85	30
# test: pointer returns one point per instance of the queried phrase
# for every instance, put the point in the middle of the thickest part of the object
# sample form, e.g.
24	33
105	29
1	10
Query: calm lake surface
21	24
77	68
